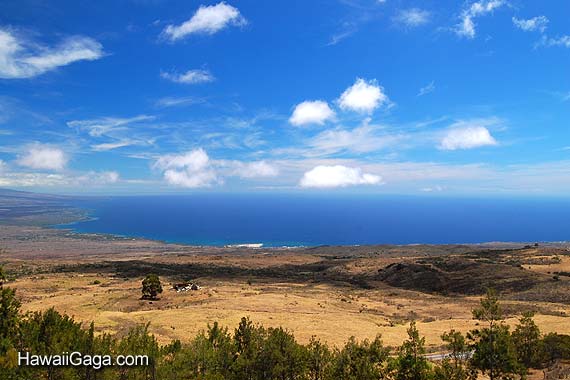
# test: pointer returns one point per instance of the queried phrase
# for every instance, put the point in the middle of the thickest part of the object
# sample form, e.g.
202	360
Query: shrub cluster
253	352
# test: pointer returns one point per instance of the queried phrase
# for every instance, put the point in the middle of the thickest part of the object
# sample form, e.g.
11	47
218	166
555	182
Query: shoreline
258	245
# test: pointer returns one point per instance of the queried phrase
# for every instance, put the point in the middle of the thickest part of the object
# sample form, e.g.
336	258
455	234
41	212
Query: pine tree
411	363
494	352
527	341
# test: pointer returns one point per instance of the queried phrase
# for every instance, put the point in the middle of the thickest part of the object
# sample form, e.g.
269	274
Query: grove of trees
253	352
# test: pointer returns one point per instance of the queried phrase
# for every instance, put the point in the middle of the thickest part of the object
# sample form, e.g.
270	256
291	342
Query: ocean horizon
276	220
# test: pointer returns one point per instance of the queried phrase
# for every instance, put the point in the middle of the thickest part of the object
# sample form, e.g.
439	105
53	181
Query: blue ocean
311	220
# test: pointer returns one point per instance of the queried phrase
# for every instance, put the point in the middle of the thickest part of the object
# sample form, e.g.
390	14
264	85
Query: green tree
453	366
411	363
319	358
2	276
360	361
248	340
281	357
556	347
9	329
494	353
527	341
151	286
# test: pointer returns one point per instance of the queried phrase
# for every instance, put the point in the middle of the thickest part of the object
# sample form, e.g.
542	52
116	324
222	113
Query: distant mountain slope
26	208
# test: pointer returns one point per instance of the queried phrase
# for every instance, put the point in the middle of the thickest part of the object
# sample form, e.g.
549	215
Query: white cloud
539	23
323	176
427	89
255	169
311	112
43	157
466	27
20	58
113	145
192	169
178	101
195	169
363	96
89	179
103	126
190	77
562	41
465	136
2	166
98	178
413	17
359	140
207	20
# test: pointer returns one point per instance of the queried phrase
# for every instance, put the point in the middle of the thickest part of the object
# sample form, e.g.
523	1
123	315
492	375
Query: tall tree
319	358
527	341
453	367
494	353
411	363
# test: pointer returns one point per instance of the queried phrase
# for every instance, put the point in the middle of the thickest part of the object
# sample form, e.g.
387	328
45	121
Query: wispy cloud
195	76
413	17
105	125
539	23
22	58
206	20
72	180
467	26
427	89
179	101
561	41
347	29
362	139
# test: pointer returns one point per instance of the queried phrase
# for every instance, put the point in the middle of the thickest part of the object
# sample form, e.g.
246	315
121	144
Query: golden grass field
101	282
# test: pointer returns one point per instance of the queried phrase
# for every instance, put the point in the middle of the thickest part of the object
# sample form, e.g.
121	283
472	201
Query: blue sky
393	96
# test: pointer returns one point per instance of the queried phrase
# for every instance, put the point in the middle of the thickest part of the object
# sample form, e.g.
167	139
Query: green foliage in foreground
253	352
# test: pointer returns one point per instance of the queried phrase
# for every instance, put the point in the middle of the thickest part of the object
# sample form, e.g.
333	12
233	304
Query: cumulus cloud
43	157
465	136
192	169
539	23
190	77
363	96
195	169
311	112
323	176
20	58
413	17
466	27
207	20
